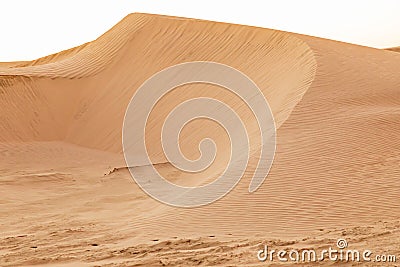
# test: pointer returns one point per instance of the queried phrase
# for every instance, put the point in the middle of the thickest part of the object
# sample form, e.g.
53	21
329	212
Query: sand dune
67	197
395	49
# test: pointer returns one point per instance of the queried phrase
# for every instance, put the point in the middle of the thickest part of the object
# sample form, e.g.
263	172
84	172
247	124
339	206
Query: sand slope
67	198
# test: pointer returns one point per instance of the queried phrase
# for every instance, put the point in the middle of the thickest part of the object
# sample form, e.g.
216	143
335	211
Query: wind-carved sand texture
67	198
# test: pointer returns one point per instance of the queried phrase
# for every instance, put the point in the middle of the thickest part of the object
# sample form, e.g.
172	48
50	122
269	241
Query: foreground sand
67	200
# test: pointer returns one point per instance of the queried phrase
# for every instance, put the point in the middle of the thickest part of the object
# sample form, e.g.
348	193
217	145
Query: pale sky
34	28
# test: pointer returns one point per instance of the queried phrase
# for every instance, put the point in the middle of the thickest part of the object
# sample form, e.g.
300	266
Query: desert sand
67	198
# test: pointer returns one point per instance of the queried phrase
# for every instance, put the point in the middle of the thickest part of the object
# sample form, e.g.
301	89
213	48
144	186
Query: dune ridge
336	108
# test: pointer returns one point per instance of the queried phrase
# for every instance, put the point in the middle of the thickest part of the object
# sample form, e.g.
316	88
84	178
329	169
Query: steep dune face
336	108
122	59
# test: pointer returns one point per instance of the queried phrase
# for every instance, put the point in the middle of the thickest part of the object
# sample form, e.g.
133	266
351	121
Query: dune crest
127	61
